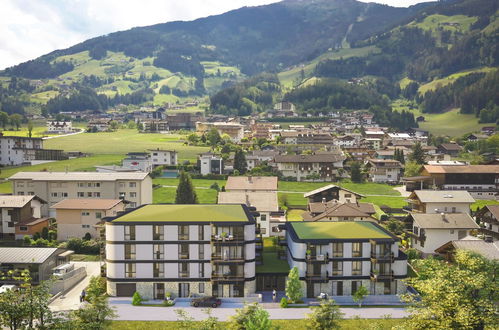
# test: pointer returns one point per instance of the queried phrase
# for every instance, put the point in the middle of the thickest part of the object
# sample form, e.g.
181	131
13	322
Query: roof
78	176
444	196
494	209
451	146
488	250
86	204
25	255
331	186
185	213
445	221
317	158
385	163
338	230
334	209
464	169
32	221
251	183
15	201
263	201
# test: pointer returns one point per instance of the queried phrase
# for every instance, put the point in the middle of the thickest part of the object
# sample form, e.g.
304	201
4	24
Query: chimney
323	200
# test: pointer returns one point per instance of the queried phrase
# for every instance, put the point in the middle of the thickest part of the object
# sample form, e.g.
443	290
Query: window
89	194
201	287
132	184
158	251
337	249
85	226
97	184
98	215
122	195
263	231
183	270
356	267
89	184
31	193
54	194
20	193
201	232
183	232
81	184
201	251
85	213
133	195
130	233
158	269
133	204
357	249
263	217
183	251
63	194
23	228
80	194
337	268
201	270
129	251
97	194
461	234
158	232
348	195
355	286
10	224
129	270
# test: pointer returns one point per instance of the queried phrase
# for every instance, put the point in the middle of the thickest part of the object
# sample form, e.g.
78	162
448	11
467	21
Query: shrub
87	237
168	303
284	302
137	299
27	240
413	254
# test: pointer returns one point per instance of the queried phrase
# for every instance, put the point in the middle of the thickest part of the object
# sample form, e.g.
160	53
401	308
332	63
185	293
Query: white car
7	287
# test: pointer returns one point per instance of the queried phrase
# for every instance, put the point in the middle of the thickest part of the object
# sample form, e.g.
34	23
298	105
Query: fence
67	281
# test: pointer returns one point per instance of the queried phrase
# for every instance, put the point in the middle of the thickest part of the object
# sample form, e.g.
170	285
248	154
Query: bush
137	299
81	246
413	254
87	237
168	303
284	302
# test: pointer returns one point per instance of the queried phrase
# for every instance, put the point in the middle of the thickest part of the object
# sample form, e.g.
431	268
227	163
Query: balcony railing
220	276
376	276
183	274
224	258
338	272
382	257
317	277
226	238
318	258
183	255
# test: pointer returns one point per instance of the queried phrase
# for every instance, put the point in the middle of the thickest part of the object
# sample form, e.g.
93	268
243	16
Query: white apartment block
163	157
15	150
53	187
338	257
185	250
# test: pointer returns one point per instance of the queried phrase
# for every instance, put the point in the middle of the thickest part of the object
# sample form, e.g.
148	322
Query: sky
31	28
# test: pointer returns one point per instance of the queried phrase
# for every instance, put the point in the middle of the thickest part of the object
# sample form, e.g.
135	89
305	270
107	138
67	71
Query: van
63	269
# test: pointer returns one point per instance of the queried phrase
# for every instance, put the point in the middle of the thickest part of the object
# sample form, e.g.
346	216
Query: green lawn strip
479	203
294	199
167	195
5	188
337	230
393	202
378	213
294	215
303	324
74	164
271	264
85	257
367	188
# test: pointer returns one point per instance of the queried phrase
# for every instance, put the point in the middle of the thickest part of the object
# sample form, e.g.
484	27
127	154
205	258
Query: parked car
206	302
7	287
63	269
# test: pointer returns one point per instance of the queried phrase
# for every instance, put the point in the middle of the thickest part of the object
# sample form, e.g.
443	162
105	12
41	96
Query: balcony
221	258
183	255
382	257
317	277
377	276
227	239
183	274
322	258
228	276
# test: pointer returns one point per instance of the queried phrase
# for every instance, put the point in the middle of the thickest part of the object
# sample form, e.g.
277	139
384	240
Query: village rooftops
263	201
346	230
78	176
444	196
86	204
263	183
462	169
331	186
444	221
489	250
178	213
9	201
317	158
386	163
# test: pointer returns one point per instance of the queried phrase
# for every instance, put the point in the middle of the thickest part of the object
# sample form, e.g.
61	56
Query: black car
206	302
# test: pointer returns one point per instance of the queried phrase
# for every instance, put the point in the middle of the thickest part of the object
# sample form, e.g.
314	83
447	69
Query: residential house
183	120
373	143
99	125
251	184
302	167
488	217
53	187
306	137
138	161
154	126
487	249
163	157
41	262
384	170
234	130
336	211
210	163
18	150
59	127
77	217
438	201
345	141
186	250
332	192
30	227
336	258
19	210
432	230
451	149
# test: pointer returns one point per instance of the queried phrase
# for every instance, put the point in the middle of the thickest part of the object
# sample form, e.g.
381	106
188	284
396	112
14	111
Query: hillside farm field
124	141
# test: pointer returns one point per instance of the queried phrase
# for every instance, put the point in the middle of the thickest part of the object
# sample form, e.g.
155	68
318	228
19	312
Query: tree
360	295
293	285
114	125
193	138
355	172
251	317
412	169
240	163
185	191
15	120
462	295
326	316
398	154
4	119
94	315
30	129
418	155
96	288
213	137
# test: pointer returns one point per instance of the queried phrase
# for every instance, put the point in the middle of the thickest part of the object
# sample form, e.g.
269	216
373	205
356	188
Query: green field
450	79
456	23
124	141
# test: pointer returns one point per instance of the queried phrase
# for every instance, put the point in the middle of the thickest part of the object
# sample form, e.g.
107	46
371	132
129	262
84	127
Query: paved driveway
71	299
127	312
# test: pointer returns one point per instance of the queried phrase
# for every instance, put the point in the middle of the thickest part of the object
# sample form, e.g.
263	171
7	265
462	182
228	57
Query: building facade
184	250
163	157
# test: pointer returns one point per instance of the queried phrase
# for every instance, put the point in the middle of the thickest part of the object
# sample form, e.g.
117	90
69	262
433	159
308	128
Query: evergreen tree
398	154
326	316
240	161
418	155
213	137
293	285
185	191
355	172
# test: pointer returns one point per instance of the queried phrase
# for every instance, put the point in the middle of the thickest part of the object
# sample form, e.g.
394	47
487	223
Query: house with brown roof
336	211
17	210
451	149
251	184
332	192
438	201
488	217
384	170
303	167
487	249
430	231
76	217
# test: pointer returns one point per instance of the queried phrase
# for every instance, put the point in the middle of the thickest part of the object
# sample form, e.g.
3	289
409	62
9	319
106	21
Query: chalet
487	249
438	201
18	215
59	127
336	211
451	149
384	170
332	192
488	217
251	184
301	167
345	141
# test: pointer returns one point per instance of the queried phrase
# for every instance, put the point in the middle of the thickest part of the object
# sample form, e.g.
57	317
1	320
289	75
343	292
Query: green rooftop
186	213
338	230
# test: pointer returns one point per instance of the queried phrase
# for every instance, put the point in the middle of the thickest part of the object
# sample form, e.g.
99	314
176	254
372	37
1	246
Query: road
71	299
127	312
81	130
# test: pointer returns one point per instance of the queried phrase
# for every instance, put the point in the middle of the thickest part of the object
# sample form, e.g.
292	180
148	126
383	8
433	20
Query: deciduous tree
326	316
360	295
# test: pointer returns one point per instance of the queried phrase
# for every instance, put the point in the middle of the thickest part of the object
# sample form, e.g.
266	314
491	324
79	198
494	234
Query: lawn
449	79
124	141
482	202
167	195
393	202
350	324
361	188
294	215
271	264
85	257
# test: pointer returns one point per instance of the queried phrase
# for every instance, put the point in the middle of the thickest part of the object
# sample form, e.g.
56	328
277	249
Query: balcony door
159	291
183	290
